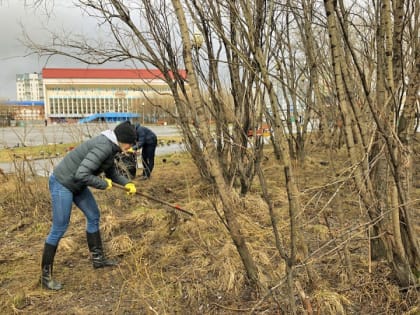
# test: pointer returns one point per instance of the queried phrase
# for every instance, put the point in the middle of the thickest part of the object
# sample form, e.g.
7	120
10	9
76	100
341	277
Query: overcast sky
14	57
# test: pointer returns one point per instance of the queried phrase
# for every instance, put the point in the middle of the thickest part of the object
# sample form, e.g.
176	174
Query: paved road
63	133
44	167
36	135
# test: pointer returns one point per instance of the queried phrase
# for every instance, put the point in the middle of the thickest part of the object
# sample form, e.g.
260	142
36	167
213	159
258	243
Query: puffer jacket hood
111	136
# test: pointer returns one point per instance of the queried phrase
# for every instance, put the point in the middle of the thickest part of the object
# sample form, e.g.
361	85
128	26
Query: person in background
147	142
69	183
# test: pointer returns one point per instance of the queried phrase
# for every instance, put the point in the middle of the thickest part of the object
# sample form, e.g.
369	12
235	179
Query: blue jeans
62	201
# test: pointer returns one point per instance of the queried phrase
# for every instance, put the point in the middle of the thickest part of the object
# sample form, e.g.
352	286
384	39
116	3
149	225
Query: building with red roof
75	93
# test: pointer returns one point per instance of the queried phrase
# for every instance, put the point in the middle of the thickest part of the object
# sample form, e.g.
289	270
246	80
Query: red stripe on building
78	73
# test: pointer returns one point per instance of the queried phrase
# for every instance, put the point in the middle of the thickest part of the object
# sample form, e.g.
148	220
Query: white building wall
29	87
78	98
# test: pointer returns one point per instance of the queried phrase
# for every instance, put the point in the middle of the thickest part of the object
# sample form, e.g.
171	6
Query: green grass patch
45	150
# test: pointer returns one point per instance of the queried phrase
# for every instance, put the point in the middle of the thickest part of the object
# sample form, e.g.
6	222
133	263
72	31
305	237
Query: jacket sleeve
116	177
90	166
141	137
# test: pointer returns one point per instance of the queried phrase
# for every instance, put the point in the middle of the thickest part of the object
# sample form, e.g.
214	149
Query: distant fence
4	122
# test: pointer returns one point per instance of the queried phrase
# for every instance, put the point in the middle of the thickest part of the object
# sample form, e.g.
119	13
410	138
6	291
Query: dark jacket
145	136
82	166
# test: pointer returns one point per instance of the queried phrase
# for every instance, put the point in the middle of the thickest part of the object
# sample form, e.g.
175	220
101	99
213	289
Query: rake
175	207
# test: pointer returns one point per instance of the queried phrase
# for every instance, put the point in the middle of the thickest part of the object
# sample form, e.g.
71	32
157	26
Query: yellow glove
130	150
109	183
131	189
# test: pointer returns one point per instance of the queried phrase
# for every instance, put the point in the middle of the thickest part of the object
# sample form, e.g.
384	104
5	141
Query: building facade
21	113
29	87
74	93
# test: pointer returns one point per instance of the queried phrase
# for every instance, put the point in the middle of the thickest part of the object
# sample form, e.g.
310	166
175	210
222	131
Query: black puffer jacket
81	166
145	136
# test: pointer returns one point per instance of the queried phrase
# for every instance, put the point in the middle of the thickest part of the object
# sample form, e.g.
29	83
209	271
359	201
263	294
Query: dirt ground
174	264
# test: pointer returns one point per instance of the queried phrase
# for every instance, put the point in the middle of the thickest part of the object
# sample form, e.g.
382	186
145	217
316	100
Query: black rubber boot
96	250
47	281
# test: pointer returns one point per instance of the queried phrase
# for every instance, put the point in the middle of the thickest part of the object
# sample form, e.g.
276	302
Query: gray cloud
14	57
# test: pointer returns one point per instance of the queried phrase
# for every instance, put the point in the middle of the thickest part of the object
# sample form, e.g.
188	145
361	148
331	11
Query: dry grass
171	264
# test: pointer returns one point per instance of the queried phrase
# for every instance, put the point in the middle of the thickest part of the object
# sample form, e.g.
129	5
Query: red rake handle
176	207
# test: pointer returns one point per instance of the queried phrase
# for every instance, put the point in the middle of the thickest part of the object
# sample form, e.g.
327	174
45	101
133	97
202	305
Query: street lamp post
142	116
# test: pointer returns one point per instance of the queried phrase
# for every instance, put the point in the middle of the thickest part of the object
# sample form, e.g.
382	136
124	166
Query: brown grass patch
173	264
